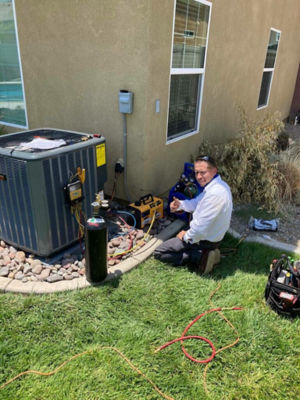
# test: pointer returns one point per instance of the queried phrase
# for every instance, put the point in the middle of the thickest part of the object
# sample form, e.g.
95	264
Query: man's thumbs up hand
174	205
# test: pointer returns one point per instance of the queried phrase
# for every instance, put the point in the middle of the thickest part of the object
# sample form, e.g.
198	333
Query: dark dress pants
177	252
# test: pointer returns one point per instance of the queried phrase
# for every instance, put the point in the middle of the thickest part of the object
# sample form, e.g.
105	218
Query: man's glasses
204	158
208	159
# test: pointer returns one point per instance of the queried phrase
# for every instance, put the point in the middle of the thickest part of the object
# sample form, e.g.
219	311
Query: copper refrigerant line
137	370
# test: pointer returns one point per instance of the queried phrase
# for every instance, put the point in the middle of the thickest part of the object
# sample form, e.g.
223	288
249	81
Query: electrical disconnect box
125	102
38	190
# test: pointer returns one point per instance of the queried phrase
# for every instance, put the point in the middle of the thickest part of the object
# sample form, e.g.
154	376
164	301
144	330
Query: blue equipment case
186	188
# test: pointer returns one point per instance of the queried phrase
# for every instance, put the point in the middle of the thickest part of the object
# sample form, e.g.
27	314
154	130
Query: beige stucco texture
77	54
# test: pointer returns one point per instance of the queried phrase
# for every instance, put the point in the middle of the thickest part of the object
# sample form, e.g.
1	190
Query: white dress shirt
211	212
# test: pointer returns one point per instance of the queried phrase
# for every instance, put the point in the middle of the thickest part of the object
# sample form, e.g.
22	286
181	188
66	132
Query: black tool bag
282	292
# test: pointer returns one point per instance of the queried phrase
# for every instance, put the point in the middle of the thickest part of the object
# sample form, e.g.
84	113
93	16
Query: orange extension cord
222	348
183	337
82	354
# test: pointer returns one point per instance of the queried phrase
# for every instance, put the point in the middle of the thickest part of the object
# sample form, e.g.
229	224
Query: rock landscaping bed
15	264
24	267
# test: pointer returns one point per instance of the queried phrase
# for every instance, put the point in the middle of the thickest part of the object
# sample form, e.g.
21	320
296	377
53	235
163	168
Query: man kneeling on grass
212	208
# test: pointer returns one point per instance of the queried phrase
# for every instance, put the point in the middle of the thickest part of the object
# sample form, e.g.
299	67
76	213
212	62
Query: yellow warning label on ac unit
100	155
75	194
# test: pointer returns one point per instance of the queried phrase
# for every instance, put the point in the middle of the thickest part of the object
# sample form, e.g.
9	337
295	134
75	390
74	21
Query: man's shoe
213	258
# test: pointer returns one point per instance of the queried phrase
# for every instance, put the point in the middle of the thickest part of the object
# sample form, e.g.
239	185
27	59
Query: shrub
248	164
2	127
282	141
289	166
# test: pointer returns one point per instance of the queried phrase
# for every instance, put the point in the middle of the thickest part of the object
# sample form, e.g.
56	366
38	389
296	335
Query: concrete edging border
15	286
267	242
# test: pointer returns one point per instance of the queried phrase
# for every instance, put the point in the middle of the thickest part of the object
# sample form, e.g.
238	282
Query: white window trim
186	71
21	74
269	70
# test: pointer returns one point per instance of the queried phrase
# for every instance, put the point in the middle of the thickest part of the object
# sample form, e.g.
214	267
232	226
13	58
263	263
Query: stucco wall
77	55
295	106
237	45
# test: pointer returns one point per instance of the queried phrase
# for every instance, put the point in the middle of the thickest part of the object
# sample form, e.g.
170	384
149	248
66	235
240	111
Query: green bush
2	127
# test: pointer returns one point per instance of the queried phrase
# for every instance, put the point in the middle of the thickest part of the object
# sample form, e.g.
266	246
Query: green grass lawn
141	311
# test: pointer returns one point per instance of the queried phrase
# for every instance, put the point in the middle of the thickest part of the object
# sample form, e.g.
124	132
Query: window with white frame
12	102
190	36
269	66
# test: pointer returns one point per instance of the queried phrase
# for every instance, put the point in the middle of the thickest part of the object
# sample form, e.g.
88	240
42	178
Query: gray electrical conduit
125	154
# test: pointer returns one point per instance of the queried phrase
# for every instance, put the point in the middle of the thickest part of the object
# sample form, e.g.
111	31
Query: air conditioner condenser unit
36	166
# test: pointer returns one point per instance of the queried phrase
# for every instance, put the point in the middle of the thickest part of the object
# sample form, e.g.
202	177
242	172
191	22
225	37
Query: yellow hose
138	244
